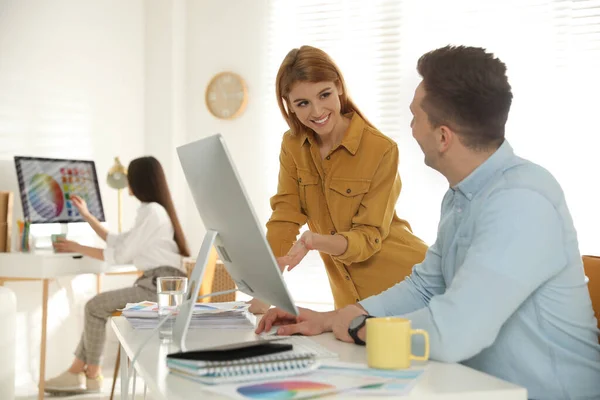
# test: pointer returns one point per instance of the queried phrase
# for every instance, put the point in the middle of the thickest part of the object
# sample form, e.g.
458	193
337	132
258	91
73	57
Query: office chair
591	266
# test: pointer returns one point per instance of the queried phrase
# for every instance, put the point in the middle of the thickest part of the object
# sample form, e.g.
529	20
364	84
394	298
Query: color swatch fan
285	389
307	386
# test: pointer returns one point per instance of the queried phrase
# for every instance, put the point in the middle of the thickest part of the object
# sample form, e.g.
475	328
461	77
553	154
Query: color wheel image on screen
45	196
283	389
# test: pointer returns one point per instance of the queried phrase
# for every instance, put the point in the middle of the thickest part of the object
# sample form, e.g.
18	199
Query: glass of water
171	290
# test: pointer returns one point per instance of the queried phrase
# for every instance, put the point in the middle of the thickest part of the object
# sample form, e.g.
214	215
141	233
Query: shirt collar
305	137
482	174
352	137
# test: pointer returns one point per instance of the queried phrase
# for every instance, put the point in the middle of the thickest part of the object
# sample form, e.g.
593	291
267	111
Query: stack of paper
234	314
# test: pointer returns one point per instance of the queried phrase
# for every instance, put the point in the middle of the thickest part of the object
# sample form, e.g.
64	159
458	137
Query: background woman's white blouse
149	244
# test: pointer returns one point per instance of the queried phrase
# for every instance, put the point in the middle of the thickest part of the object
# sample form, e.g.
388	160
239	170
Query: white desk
49	265
45	266
439	382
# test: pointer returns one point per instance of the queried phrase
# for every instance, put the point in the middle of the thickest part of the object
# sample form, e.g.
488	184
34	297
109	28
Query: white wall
187	43
164	63
229	38
74	70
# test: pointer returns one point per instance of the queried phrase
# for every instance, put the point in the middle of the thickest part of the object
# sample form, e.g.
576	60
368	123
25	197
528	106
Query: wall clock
226	95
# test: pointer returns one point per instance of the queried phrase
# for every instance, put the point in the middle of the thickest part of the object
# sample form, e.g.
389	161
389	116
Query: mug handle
425	357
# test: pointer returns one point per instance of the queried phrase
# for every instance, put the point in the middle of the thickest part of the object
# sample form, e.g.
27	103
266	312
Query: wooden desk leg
45	283
115	373
98	283
124	374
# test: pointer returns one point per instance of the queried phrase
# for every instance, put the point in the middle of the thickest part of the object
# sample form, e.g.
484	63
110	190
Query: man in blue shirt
502	289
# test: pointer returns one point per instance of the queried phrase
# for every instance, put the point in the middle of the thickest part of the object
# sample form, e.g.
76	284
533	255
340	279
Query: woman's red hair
309	64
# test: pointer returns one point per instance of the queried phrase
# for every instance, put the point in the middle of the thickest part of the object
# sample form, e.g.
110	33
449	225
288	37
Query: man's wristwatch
356	324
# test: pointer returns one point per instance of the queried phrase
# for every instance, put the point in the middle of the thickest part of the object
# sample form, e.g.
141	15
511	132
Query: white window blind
42	119
552	51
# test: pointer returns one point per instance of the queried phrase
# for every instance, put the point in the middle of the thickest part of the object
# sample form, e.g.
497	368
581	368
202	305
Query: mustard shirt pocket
345	196
308	187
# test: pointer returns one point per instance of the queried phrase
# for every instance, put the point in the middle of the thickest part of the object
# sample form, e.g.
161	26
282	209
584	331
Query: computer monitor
231	225
47	184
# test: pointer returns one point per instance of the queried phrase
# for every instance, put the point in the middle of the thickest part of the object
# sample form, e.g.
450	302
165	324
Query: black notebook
241	361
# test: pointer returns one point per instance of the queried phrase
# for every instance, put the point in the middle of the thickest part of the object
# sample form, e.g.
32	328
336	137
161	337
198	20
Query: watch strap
354	332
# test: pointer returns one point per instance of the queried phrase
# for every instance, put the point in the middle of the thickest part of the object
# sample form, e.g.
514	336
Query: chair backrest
591	266
216	279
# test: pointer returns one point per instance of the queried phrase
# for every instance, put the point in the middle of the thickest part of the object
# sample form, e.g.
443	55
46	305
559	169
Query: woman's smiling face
316	105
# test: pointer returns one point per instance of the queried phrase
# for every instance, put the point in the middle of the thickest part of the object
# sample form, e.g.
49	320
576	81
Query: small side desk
45	266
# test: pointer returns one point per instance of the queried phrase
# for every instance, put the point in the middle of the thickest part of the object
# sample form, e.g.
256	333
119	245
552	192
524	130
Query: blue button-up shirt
503	289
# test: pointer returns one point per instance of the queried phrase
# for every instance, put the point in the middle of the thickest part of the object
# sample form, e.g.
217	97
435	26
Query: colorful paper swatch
283	389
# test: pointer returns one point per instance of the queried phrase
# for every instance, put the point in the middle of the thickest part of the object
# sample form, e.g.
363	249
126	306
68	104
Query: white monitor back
225	207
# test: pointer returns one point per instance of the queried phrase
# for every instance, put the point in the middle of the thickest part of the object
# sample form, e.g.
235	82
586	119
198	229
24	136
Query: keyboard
303	345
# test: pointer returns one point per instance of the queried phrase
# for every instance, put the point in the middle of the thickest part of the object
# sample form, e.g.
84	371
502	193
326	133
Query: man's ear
446	138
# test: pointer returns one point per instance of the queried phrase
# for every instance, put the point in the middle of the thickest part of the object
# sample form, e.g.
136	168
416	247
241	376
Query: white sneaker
67	382
94	384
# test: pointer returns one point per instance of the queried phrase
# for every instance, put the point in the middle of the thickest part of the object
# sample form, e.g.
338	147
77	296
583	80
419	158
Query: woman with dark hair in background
155	245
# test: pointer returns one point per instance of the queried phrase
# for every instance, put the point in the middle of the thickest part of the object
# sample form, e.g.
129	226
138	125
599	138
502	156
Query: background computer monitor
46	186
225	208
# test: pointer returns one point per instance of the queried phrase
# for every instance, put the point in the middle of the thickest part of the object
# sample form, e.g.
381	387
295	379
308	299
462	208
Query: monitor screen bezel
22	190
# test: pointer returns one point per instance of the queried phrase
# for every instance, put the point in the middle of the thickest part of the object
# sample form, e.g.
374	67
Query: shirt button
332	232
348	191
299	180
459	210
376	240
328	158
347	278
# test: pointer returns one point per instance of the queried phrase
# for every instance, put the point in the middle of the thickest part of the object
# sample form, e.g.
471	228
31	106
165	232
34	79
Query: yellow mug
389	343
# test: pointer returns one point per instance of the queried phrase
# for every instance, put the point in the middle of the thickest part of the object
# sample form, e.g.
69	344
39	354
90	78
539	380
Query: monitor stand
182	322
64	228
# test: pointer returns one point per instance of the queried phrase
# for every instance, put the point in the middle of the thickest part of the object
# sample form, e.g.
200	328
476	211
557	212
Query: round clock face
226	95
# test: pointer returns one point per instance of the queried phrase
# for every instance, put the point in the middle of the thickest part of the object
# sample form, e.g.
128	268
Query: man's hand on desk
308	323
67	246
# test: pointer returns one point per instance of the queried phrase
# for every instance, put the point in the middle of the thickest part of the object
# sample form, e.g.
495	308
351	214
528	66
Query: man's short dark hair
468	91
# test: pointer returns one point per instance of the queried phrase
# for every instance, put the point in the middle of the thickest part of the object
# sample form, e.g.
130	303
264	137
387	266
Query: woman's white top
149	244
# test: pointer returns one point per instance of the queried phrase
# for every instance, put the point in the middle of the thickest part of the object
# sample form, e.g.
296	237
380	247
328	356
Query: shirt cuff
373	306
358	249
281	240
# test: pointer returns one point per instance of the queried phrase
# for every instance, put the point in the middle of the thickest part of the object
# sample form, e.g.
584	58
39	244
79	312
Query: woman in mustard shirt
339	174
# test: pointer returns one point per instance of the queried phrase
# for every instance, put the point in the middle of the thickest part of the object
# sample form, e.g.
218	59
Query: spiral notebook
242	362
